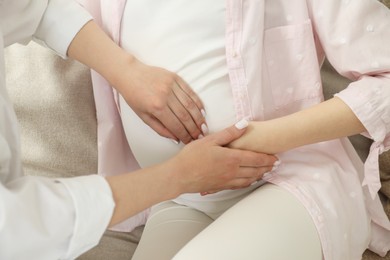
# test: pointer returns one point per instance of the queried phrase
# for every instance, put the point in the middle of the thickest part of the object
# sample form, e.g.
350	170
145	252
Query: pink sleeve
353	35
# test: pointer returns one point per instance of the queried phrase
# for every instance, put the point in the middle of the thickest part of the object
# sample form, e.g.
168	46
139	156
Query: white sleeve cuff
94	206
61	22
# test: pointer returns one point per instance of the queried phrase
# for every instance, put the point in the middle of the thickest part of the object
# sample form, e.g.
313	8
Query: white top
171	34
42	218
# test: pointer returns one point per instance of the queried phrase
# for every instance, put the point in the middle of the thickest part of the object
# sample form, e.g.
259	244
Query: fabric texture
54	104
333	83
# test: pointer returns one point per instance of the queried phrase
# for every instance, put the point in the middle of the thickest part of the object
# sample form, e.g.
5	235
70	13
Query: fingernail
200	136
205	129
204	193
265	175
174	141
276	165
203	112
241	124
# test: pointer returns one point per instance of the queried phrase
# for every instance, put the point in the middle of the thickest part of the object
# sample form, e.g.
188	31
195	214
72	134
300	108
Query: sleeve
60	23
43	218
355	37
53	219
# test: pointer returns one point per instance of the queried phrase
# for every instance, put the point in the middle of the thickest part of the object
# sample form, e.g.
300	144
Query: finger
158	127
188	104
173	124
184	116
207	193
254	159
240	183
229	134
188	90
253	172
235	184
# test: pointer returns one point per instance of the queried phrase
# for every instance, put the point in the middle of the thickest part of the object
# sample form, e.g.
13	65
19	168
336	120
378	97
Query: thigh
169	227
268	224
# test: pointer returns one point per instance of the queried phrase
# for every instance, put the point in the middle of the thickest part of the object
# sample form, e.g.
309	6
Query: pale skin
328	120
202	165
205	164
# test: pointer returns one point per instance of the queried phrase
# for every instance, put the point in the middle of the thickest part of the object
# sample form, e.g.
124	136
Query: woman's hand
159	97
202	166
163	101
207	165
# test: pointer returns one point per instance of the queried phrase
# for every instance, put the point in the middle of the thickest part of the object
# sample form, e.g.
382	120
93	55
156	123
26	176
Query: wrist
170	180
260	136
121	67
253	138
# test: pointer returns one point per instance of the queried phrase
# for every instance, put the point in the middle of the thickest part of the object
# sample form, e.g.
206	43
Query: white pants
269	224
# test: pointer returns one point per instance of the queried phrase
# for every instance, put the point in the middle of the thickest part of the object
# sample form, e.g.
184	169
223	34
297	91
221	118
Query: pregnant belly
149	148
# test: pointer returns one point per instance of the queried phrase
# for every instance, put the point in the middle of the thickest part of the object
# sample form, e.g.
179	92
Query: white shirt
42	218
169	34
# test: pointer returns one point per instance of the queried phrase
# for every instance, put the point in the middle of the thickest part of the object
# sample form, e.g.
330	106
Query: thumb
230	134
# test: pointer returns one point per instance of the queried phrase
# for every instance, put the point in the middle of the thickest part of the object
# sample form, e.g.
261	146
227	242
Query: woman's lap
169	227
270	223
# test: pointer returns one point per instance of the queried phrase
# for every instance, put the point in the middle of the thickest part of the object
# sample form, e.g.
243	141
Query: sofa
54	103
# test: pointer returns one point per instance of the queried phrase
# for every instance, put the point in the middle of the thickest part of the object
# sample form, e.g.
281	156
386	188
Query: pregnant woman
260	60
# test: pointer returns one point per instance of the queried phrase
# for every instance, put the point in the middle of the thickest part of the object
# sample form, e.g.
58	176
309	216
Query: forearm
326	121
159	97
92	47
139	190
201	166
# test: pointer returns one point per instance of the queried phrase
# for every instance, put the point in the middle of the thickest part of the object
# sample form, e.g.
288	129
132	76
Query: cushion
54	104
